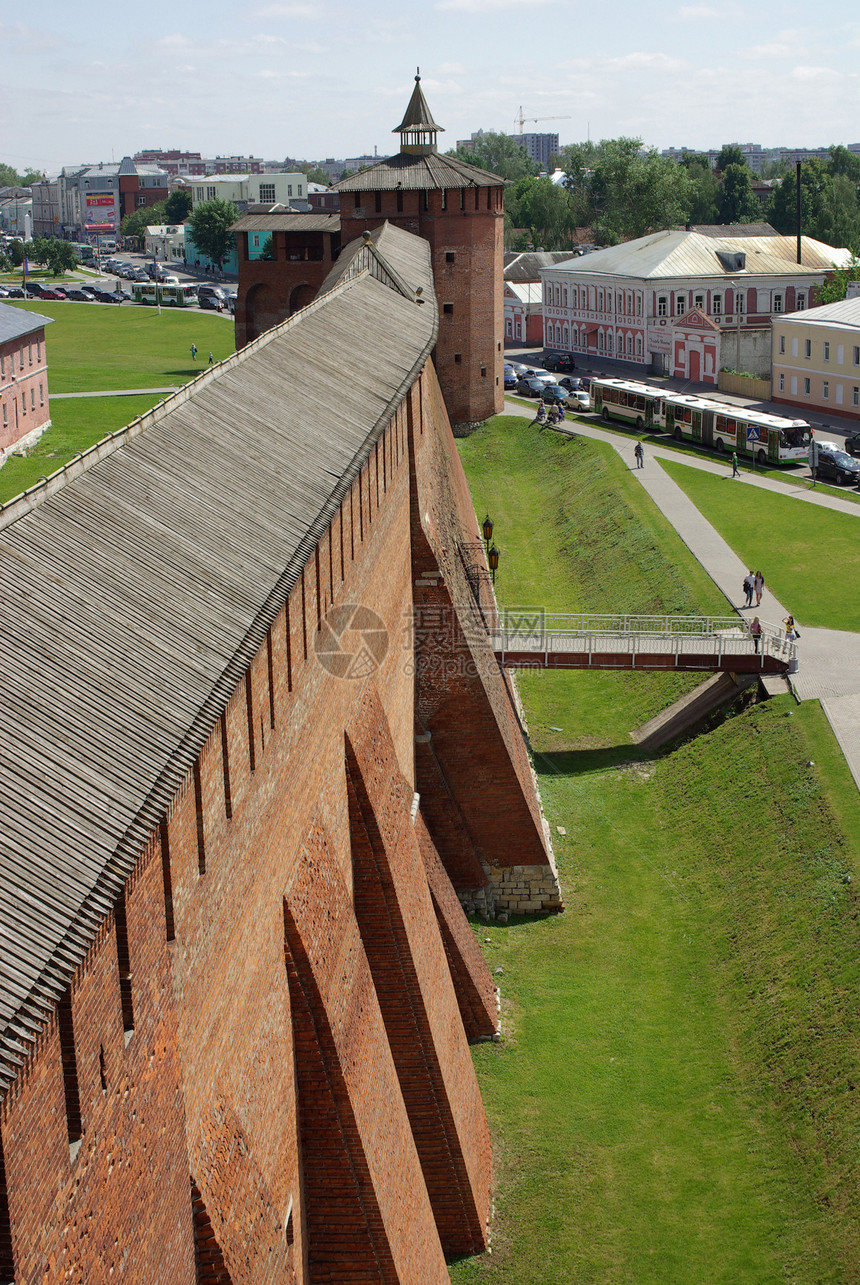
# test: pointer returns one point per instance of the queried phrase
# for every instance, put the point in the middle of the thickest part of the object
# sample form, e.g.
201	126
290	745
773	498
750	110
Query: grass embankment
810	556
673	1100
75	425
99	347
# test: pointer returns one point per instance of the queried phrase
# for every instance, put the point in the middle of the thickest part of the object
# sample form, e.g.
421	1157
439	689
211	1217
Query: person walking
749	587
211	358
755	630
735	470
791	634
193	352
639	452
758	585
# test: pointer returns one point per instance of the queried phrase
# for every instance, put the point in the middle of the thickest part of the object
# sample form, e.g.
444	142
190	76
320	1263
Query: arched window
600	340
638	345
609	342
566	340
508	327
564	296
629	345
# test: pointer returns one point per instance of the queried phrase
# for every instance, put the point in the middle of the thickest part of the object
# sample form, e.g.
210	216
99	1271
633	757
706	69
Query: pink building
24	409
682	303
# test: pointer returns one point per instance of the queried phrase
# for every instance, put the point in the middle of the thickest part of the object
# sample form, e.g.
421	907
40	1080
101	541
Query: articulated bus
769	439
170	296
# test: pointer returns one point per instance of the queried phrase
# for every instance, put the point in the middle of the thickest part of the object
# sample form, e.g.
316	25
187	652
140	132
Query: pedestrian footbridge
532	639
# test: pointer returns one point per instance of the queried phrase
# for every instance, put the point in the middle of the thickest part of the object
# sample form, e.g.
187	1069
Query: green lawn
76	423
99	347
810	556
673	1100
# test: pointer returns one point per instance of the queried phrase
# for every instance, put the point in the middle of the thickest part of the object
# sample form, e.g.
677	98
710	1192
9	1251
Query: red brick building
459	210
25	411
255	745
304	248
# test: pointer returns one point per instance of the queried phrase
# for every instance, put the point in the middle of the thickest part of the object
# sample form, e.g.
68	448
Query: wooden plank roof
136	586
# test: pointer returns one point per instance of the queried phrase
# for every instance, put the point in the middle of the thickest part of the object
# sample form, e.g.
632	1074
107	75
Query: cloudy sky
317	78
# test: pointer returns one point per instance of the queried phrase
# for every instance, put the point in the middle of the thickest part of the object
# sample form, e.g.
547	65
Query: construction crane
533	120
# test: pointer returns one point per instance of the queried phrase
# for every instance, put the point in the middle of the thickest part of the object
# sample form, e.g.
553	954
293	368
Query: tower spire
418	129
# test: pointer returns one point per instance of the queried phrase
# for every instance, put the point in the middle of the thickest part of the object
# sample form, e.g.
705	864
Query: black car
15	293
570	382
34	288
105	296
79	296
852	445
559	361
838	465
89	291
528	387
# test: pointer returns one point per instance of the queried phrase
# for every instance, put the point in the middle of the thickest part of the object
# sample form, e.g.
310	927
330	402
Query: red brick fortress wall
261	1072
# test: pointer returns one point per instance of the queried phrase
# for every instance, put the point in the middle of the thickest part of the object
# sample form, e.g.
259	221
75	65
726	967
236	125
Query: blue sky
315	78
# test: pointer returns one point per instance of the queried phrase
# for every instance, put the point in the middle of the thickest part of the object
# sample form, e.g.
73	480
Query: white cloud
481	6
807	74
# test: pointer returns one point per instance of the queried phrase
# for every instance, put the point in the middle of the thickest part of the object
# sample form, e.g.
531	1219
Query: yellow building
816	358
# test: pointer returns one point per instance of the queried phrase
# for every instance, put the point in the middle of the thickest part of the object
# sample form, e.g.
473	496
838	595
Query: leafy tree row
616	189
9	177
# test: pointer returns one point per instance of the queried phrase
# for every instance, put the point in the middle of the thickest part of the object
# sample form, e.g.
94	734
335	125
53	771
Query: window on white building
782	343
700	301
717	305
267	193
662	305
564	295
825	390
256	240
566	336
777	303
801	302
680	305
807	387
856	356
855	396
600	307
782	383
826	351
638	345
807	347
609	343
638	305
600	341
739	301
629	345
210	194
299	190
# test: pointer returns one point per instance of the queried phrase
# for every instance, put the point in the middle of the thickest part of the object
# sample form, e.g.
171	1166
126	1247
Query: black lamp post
488	530
493	557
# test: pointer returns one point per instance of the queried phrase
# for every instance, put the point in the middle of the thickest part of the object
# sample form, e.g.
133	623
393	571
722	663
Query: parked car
528	387
852	445
560	361
555	393
578	400
53	292
517	367
89	291
35	289
209	296
570	382
838	465
15	293
538	372
4	292
78	296
106	296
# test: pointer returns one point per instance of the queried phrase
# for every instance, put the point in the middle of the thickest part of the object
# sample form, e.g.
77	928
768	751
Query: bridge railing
536	631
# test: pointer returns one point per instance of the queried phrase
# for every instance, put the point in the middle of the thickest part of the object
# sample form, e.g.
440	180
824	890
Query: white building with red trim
682	303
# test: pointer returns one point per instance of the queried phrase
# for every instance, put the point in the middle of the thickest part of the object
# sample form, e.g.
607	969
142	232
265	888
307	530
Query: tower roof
417	114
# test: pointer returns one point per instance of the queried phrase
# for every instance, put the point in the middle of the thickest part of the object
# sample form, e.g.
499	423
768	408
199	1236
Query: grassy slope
810	556
673	1100
75	425
99	347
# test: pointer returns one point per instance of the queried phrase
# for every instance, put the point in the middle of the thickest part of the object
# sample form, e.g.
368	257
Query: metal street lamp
493	556
488	530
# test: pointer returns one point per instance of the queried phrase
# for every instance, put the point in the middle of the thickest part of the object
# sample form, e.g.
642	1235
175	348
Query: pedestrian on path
791	634
749	587
639	452
735	470
755	630
758	585
193	352
211	358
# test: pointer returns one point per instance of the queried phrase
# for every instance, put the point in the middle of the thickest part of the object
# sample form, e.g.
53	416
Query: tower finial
418	129
417	74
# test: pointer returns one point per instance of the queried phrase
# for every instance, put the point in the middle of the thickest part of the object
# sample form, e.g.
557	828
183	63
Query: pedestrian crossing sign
752	433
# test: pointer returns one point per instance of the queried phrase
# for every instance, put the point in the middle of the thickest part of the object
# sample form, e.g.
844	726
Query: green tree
738	202
136	223
816	202
268	248
844	162
729	154
177	207
835	287
9	177
846	212
704	188
210	224
60	256
498	153
15	250
37	250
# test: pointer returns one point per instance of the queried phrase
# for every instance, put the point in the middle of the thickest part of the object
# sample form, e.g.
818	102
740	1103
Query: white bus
766	438
169	296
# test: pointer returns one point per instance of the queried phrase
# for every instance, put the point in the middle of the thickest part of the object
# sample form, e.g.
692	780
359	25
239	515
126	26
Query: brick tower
459	209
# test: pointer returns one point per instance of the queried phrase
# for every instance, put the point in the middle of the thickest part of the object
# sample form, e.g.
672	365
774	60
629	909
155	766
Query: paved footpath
123	392
829	668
